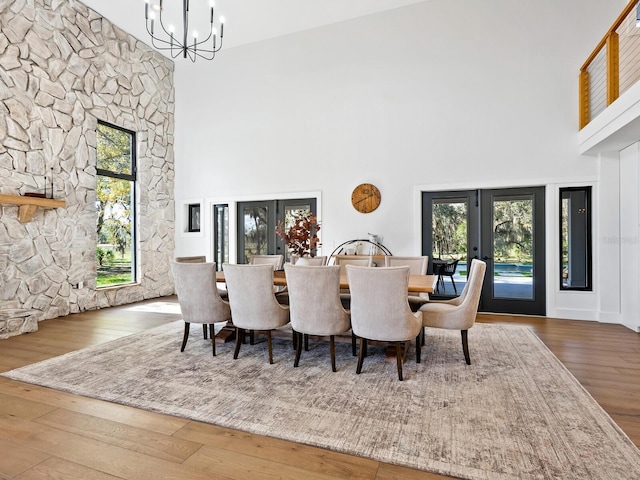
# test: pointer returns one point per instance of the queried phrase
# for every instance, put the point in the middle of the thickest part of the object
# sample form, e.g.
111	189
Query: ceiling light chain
188	49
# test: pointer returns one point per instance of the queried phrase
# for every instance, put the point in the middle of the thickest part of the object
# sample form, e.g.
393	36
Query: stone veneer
62	68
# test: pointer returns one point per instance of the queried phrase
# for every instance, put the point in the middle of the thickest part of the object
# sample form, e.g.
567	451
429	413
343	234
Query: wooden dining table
417	283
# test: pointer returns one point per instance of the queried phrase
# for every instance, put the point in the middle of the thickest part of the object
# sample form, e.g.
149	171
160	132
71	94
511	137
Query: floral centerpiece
301	234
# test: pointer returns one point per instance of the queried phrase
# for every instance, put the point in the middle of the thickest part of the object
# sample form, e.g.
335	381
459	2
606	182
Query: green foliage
113	279
104	257
255	231
449	230
513	230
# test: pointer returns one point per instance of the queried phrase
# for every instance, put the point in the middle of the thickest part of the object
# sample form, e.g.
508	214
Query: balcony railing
613	67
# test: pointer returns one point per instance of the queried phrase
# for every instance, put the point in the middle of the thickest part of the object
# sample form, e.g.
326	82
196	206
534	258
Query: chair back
462	314
449	268
361	260
275	261
196	259
314	300
471	273
309	261
475	280
253	303
417	265
379	306
198	296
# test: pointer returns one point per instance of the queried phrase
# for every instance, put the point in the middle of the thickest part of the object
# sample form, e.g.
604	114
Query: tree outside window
115	202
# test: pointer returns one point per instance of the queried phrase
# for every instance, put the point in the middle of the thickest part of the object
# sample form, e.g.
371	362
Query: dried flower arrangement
301	237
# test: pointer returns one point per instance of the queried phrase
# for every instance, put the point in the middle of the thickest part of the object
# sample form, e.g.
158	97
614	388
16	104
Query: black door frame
480	241
538	304
275	214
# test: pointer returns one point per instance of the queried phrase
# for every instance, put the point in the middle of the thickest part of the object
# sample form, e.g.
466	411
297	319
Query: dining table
417	283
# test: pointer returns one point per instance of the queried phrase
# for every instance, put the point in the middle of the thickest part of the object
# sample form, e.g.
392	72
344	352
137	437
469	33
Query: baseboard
573	314
635	328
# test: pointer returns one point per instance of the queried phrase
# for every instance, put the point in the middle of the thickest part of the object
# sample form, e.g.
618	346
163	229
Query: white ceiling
248	21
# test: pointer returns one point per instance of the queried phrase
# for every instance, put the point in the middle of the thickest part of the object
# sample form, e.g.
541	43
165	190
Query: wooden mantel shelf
29	205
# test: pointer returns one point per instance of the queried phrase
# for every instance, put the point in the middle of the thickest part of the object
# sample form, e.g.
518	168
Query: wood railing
612	67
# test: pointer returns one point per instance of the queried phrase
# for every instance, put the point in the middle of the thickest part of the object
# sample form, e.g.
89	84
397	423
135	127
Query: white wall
439	93
629	234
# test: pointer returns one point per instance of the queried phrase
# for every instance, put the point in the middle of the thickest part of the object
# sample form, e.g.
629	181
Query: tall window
575	238
115	202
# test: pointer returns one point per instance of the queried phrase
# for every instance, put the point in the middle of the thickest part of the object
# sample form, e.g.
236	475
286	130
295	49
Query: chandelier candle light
191	50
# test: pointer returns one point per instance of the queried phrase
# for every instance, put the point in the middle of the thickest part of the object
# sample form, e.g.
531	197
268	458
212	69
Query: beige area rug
516	412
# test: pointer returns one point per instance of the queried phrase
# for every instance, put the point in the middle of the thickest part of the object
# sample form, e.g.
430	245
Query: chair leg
332	348
419	345
239	341
306	342
212	334
363	346
454	285
294	339
353	344
465	346
298	348
204	330
251	337
422	335
269	346
399	359
185	336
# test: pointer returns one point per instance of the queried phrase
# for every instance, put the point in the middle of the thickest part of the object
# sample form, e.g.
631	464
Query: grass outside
116	272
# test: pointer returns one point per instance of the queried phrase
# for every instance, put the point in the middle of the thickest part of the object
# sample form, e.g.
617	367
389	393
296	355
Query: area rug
515	412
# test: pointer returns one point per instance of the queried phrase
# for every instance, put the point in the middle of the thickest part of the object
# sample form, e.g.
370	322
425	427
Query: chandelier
191	48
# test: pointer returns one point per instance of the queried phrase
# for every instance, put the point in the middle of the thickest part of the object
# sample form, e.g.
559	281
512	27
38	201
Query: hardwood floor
46	434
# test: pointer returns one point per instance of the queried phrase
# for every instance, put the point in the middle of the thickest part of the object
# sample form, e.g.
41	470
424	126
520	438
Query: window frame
133	178
588	254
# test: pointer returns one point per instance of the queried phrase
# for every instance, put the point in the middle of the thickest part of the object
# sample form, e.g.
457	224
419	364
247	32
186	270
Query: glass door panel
221	234
287	210
513	245
451	220
256	222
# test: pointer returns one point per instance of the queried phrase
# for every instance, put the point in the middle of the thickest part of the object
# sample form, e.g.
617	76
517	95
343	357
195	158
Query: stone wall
62	68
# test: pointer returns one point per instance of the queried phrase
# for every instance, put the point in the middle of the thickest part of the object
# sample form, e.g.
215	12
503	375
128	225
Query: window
115	204
257	223
221	234
575	238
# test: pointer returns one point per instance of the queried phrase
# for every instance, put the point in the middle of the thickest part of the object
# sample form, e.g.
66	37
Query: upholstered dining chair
199	299
253	304
447	270
417	266
201	259
380	310
364	261
314	303
275	261
319	261
343	261
459	313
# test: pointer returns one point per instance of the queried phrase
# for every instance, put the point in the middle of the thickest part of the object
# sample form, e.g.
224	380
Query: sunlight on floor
157	307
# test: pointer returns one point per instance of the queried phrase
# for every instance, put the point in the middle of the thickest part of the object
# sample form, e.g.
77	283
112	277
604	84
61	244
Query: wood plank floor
47	434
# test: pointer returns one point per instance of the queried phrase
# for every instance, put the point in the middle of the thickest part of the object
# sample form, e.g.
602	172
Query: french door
503	227
257	223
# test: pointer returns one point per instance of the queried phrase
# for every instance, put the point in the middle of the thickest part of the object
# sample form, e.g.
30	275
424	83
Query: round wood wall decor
365	198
